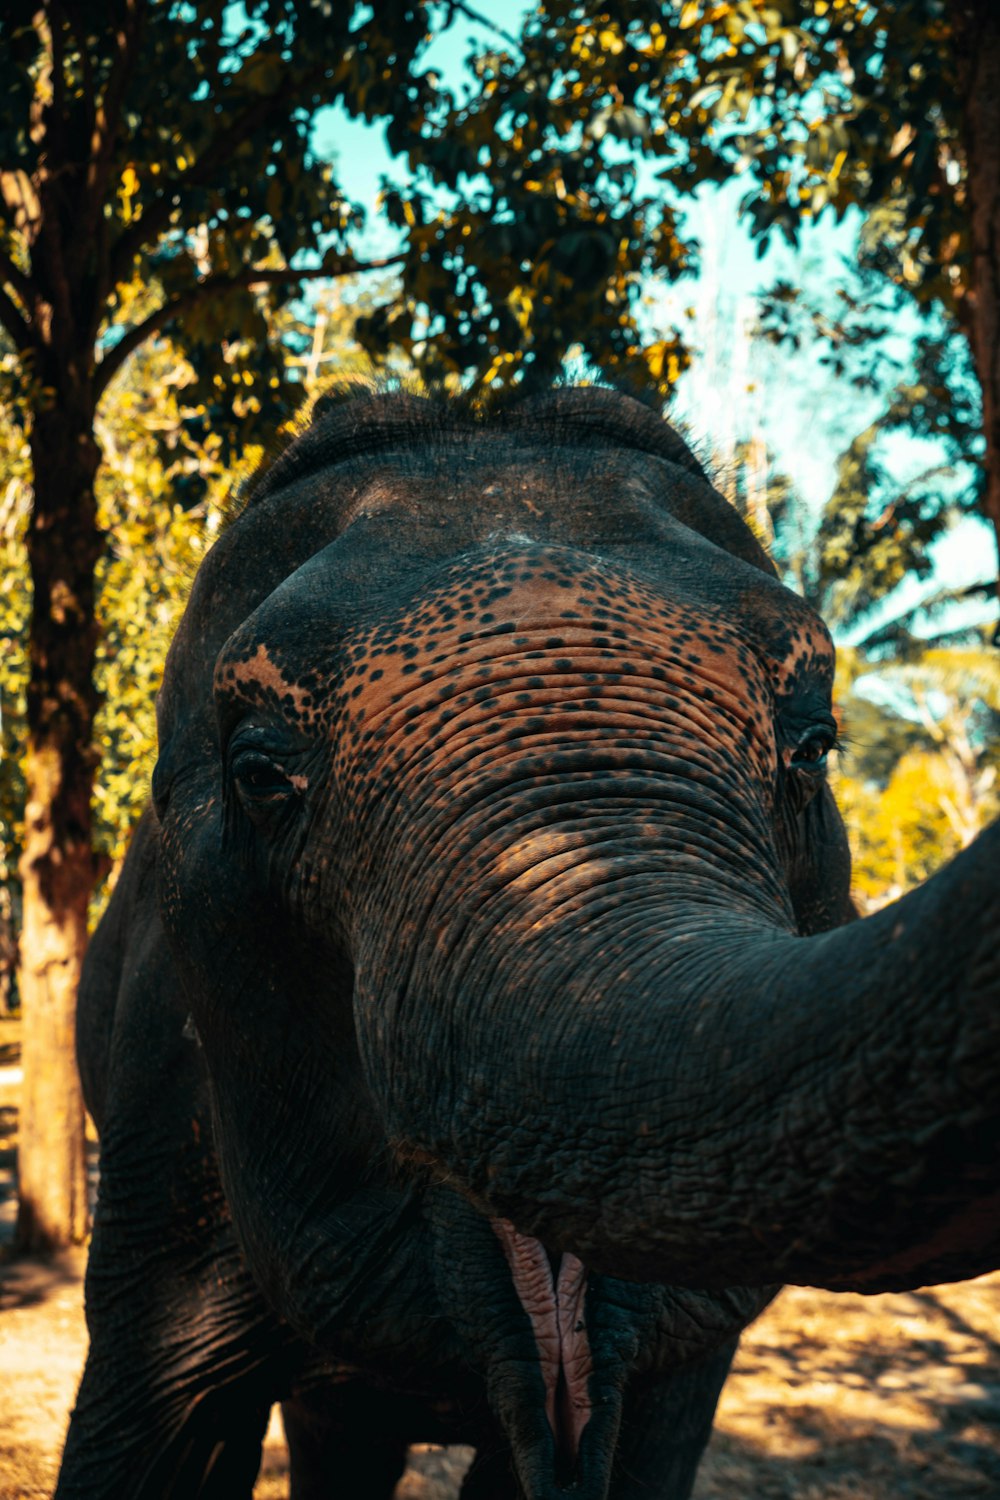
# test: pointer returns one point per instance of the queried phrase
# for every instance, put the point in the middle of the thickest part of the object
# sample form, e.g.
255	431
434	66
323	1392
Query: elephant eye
810	753
259	780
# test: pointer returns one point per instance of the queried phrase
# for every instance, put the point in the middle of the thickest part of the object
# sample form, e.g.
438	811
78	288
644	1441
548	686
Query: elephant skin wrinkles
479	982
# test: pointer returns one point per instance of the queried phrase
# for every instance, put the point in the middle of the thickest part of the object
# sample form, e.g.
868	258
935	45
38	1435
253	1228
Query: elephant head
511	903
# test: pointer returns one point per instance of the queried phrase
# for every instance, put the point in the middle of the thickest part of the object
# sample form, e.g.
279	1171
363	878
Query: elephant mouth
552	1292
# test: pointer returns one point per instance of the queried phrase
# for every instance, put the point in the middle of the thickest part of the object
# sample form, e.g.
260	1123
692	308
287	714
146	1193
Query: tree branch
107	111
12	319
58	75
459	7
147	227
16	279
218	284
107	116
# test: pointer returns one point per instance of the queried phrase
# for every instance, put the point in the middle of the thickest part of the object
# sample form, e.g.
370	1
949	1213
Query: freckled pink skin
556	1310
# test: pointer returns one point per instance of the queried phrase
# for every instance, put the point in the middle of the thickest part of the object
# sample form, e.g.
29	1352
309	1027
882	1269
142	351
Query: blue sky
735	384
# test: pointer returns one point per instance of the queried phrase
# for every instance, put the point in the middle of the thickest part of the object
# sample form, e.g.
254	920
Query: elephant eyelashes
811	753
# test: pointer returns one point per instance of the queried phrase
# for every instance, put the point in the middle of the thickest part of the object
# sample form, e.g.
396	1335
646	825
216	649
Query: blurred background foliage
537	203
917	699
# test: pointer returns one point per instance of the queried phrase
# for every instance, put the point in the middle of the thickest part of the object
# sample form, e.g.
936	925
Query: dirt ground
831	1397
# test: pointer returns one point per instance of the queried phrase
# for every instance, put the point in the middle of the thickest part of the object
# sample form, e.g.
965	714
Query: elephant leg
666	1425
219	1451
491	1476
338	1446
191	1449
175	1395
185	1360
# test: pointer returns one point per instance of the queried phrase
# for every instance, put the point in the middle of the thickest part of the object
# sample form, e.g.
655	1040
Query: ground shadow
842	1460
29	1281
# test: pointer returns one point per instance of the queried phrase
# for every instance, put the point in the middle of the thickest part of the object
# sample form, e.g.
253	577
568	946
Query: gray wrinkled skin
474	1035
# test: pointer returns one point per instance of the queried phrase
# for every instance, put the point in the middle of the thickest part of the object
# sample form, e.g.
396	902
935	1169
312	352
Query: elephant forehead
259	675
538	611
536	619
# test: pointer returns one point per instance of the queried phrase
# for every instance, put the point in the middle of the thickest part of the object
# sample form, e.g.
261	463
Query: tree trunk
977	50
57	865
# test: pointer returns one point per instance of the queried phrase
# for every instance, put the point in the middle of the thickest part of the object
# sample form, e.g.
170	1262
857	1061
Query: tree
170	145
954	695
154	547
882	519
917	780
14	609
893	110
525	201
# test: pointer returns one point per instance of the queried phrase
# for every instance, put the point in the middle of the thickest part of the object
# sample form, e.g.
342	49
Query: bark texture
977	51
59	212
57	866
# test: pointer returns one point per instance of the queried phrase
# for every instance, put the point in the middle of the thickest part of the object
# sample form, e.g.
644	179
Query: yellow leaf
838	165
656	354
690	14
520	302
495	368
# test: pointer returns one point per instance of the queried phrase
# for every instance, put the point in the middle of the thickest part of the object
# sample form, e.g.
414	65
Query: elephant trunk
691	1093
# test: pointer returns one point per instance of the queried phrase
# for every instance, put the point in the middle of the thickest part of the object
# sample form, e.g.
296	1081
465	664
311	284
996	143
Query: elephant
481	1029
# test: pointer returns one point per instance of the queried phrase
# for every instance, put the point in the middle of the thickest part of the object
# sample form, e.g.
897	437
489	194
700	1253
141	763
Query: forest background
762	214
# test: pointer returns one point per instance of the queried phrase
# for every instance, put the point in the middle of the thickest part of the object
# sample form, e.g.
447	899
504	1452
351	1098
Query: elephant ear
132	913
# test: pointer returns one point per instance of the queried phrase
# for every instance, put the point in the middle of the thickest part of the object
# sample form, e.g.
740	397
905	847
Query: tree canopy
163	206
540	187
